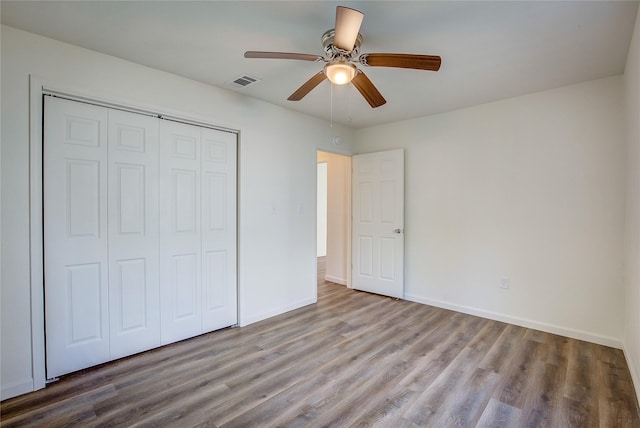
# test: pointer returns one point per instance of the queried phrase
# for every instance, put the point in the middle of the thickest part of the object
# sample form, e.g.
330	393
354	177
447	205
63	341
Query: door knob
398	231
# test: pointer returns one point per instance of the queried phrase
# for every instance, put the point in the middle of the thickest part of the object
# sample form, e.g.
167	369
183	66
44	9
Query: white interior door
180	242
75	236
134	295
378	223
219	295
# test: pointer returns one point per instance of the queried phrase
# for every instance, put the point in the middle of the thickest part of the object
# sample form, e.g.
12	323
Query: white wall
322	210
529	188
338	217
632	229
277	175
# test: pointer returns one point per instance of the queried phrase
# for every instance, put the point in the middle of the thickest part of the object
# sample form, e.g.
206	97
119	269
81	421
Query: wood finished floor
354	359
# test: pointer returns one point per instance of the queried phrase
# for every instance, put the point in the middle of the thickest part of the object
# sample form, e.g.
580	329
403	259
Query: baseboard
16	388
336	280
549	328
277	311
634	374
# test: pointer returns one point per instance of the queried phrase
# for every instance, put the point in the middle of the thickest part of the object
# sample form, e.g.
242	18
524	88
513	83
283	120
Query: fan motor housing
334	52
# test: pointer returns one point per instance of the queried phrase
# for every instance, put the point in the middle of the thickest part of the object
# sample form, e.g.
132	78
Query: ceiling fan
342	47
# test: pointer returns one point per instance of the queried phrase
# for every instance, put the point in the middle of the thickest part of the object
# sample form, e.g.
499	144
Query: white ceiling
490	50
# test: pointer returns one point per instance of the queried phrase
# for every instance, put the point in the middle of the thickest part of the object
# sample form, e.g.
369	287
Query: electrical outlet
504	283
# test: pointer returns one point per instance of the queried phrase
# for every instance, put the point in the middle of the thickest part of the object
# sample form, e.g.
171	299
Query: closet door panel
75	236
140	233
219	303
180	231
134	289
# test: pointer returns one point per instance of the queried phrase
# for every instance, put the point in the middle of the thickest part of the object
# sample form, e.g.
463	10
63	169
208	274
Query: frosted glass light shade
340	73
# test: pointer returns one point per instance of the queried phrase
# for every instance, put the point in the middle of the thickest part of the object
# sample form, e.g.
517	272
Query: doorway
335	265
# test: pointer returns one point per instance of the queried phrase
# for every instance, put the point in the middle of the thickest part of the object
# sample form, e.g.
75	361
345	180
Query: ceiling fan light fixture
340	73
341	47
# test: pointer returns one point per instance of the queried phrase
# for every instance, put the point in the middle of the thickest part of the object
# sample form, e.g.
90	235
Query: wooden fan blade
418	62
307	86
282	55
368	90
348	23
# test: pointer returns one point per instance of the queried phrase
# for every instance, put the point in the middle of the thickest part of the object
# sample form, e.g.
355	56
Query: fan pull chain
331	108
350	92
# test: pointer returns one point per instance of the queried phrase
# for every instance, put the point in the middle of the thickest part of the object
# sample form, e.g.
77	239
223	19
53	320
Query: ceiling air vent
243	81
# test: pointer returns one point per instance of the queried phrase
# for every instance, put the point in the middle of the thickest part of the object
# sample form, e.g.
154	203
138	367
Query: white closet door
134	294
180	232
140	233
75	236
219	296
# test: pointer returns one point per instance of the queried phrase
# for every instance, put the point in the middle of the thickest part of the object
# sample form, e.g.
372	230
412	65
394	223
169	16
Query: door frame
38	87
349	209
326	177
